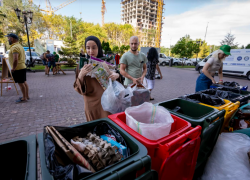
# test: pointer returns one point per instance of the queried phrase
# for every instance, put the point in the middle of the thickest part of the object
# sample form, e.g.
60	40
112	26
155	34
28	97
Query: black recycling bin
124	169
18	159
233	97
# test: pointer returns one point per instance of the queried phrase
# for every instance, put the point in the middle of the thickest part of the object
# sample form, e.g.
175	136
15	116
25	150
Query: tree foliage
184	47
247	46
70	48
229	40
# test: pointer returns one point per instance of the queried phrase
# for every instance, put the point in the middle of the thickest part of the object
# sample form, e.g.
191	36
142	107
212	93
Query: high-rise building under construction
146	16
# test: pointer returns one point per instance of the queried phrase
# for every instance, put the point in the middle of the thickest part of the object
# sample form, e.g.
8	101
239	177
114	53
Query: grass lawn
184	66
41	67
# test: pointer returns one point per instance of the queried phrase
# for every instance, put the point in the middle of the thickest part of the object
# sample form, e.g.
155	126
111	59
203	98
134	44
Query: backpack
51	58
41	56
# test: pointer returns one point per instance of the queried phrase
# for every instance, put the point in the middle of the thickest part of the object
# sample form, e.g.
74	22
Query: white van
236	64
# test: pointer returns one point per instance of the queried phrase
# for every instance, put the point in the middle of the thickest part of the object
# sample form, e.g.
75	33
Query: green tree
248	46
165	50
124	48
70	48
242	47
205	53
229	40
116	49
184	47
105	47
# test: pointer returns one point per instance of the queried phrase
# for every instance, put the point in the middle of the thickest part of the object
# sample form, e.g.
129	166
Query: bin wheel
200	70
164	63
248	75
189	64
176	64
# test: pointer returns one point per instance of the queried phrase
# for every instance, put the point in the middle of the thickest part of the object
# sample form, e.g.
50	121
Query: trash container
227	88
172	151
233	97
230	84
82	62
138	153
229	107
194	113
18	158
201	115
171	62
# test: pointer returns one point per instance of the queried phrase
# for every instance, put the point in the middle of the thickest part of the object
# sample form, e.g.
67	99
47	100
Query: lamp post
27	19
199	43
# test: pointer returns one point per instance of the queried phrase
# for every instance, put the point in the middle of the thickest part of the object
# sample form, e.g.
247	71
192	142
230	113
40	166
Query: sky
181	17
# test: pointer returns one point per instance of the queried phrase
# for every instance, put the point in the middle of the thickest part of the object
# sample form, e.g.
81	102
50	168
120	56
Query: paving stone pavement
53	101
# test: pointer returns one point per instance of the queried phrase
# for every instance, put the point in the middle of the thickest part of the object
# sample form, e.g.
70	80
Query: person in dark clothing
82	54
152	65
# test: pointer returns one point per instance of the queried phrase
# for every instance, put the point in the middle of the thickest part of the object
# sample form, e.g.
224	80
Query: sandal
22	97
20	101
151	99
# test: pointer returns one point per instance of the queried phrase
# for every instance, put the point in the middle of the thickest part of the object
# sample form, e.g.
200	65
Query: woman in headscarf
152	65
89	87
213	64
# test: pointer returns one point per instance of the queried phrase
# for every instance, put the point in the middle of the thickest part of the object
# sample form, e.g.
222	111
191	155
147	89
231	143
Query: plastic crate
137	150
18	158
194	113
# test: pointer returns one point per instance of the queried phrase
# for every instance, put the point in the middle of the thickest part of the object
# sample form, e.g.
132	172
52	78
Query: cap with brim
226	49
12	35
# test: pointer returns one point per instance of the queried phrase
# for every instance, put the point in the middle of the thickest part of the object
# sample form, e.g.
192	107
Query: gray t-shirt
134	65
215	65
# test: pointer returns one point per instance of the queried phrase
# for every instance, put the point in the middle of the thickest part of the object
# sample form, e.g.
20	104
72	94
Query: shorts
150	83
19	76
51	63
203	83
45	62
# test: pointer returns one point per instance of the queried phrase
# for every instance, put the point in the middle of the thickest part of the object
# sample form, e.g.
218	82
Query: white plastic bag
229	159
152	122
115	98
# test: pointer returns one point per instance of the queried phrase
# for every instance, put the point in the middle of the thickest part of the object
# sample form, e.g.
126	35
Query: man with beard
133	64
18	67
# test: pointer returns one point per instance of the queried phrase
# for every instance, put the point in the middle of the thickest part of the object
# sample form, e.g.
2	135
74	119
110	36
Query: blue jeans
203	83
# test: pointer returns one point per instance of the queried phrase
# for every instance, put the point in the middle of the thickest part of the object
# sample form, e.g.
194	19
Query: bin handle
183	137
135	166
233	105
221	113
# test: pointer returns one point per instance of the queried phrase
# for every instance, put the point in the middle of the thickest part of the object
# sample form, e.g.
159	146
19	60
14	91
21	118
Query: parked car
6	55
176	61
163	59
188	62
35	56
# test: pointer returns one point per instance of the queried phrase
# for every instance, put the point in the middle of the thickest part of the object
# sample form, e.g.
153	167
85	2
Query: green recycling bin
82	62
18	158
124	169
210	119
196	114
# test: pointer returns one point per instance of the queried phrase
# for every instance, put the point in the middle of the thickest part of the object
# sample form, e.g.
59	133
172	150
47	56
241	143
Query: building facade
142	14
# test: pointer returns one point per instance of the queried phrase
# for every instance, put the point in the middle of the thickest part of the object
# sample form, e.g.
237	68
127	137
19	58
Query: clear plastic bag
116	98
229	159
152	122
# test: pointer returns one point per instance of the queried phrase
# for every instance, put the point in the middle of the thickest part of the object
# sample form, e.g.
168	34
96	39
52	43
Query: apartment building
141	14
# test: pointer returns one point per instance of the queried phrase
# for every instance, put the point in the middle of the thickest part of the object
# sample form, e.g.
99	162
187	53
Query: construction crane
103	11
159	23
51	10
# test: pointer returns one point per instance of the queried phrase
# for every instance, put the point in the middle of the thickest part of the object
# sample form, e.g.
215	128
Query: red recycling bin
173	156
